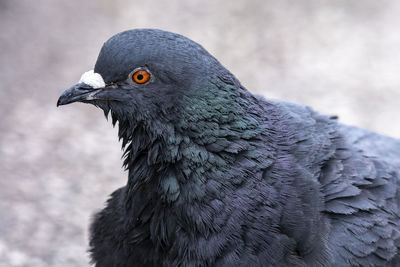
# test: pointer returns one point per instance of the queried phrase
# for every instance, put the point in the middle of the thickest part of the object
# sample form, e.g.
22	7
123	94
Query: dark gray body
369	235
220	177
328	197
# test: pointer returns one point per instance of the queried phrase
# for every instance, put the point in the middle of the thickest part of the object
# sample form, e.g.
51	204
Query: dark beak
80	92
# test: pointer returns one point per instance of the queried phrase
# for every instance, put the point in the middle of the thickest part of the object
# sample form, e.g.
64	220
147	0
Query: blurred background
58	165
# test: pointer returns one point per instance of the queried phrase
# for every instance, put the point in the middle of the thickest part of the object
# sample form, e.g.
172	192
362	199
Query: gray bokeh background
58	165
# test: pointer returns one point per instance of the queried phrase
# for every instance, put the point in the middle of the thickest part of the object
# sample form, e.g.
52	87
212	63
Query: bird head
146	75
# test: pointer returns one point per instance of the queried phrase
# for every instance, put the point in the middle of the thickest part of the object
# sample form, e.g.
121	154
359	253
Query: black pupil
139	77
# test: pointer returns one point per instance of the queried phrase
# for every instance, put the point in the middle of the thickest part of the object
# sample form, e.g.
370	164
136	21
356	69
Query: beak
80	92
85	90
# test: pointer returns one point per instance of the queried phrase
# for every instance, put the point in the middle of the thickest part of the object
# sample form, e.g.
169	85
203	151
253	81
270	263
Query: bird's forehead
159	50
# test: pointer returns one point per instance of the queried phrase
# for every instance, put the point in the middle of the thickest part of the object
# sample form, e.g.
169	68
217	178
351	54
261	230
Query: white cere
92	79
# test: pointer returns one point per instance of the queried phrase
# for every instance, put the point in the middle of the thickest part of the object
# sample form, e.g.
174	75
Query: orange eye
141	76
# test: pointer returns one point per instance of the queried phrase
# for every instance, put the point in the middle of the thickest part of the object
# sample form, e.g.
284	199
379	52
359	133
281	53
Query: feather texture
220	177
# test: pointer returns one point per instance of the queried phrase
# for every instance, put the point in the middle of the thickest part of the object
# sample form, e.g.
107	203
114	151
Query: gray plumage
220	177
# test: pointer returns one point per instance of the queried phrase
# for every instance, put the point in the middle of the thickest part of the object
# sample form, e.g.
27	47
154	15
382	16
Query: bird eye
141	76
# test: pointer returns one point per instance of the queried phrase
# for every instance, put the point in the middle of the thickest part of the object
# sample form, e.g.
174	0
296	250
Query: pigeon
218	176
